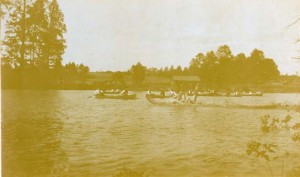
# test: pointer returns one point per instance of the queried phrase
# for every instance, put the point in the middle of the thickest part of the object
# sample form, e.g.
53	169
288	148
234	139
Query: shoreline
131	90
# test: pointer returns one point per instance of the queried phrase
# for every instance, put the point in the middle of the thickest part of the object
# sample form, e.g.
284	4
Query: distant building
186	82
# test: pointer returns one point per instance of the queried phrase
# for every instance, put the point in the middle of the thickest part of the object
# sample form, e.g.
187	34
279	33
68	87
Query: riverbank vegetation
273	152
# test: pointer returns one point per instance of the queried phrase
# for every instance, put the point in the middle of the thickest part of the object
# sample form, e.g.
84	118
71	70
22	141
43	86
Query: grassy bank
105	81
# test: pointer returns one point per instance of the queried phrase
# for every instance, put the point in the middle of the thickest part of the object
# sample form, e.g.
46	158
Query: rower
100	92
195	94
162	92
124	92
173	94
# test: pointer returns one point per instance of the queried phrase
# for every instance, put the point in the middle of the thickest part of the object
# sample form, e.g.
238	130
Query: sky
114	34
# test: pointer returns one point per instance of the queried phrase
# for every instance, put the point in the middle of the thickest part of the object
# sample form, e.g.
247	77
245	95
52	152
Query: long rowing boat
175	102
122	97
252	94
112	92
167	101
159	96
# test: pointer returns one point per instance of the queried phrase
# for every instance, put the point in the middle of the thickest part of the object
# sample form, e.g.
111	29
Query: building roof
186	78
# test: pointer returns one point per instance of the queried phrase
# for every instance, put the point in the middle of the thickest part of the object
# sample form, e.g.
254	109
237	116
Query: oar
91	96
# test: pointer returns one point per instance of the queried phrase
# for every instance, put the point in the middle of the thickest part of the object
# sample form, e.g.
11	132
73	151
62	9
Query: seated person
97	91
172	93
100	92
124	92
162	92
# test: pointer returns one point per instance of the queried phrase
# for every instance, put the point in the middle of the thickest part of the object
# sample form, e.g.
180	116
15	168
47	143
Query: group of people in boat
101	92
186	97
180	95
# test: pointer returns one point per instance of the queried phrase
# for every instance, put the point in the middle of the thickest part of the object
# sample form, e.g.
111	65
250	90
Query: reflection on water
31	135
68	133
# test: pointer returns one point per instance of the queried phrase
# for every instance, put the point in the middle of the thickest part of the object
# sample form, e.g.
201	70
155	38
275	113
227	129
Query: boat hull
121	97
112	92
252	94
168	101
159	96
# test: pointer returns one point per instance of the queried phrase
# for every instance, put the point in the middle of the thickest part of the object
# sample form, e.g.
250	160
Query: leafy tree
196	63
39	34
119	77
257	55
185	71
171	71
76	71
225	59
16	33
33	40
261	68
166	71
152	71
56	41
70	69
138	72
82	70
269	70
178	70
221	69
34	34
224	53
240	72
209	69
5	6
160	72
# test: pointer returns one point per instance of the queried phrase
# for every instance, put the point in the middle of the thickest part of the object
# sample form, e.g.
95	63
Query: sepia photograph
150	88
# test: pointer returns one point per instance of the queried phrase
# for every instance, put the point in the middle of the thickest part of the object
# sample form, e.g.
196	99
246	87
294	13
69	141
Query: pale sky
115	34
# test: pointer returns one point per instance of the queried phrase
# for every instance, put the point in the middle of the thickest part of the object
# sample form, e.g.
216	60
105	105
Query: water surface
70	133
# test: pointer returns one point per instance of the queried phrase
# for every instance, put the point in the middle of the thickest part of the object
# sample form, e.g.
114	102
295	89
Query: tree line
34	43
221	68
34	35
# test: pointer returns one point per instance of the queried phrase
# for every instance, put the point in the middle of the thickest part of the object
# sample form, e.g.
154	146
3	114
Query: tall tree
16	33
138	72
34	38
222	69
240	68
269	70
5	6
178	70
195	64
210	69
224	53
254	65
38	22
166	71
56	41
185	71
225	59
119	77
23	34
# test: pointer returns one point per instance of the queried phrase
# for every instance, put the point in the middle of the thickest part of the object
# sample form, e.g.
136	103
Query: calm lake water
69	133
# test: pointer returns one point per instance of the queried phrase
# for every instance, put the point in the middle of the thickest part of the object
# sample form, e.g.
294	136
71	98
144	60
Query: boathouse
185	82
